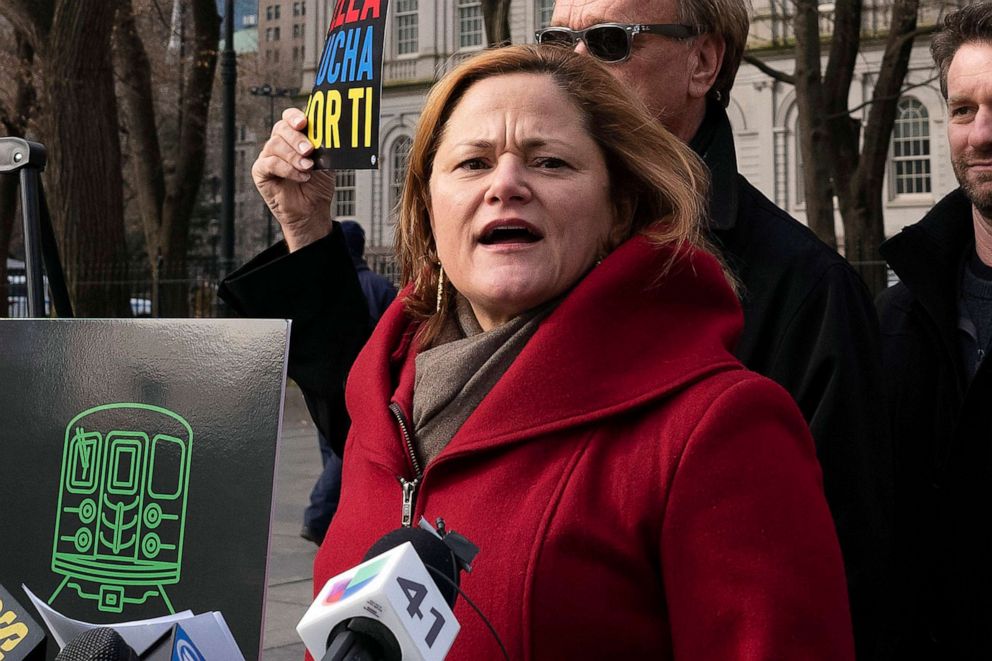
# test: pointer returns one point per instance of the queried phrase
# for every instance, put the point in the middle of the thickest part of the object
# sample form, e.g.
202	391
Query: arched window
399	157
909	172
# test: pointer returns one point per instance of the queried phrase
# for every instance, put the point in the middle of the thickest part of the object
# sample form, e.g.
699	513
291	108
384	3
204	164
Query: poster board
138	465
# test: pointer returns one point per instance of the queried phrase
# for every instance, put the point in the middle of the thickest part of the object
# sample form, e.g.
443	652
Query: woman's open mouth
498	234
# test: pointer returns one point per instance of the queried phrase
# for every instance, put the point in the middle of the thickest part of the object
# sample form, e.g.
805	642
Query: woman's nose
509	181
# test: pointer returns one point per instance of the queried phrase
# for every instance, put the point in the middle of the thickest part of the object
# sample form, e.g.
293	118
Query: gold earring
440	285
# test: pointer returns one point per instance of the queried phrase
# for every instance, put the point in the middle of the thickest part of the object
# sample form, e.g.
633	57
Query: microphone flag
393	589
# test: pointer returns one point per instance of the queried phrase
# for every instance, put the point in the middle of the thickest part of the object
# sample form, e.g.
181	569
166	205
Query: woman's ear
705	63
431	237
623	219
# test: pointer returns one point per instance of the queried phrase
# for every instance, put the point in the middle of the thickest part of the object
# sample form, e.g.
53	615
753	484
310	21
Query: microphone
100	644
21	638
176	645
389	607
179	637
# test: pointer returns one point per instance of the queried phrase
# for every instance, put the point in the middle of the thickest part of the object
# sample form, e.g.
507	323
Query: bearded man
936	330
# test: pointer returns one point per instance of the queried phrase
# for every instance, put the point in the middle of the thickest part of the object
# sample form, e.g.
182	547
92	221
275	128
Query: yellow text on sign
324	118
11	632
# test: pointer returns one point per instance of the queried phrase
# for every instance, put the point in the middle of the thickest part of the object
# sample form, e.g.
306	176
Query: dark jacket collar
927	256
714	142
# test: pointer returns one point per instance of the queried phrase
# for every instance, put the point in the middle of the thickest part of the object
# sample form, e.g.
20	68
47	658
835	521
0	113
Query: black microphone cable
485	620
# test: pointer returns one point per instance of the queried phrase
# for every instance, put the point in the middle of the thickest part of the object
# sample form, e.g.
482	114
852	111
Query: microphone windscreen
432	551
102	644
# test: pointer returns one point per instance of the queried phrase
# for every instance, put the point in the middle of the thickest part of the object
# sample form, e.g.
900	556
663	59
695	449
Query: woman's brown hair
657	183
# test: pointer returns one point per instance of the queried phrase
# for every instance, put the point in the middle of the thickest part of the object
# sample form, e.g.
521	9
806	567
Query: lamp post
229	76
214	230
271	92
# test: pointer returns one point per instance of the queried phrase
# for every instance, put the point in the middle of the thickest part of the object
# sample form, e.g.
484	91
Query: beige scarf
461	368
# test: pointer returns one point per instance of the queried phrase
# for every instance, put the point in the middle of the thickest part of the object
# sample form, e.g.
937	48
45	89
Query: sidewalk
290	556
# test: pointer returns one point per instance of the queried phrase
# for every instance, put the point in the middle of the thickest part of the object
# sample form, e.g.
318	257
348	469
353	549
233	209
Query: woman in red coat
557	384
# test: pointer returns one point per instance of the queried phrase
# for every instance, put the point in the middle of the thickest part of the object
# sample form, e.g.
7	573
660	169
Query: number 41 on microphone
393	589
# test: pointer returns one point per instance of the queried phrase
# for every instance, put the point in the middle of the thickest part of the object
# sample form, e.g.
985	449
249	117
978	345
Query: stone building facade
426	37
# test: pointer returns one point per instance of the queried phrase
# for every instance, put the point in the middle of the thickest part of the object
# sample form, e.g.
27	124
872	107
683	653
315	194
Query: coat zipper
409	486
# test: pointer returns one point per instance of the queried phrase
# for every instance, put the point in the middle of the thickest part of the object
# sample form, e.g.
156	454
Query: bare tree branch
919	32
883	99
759	64
31	17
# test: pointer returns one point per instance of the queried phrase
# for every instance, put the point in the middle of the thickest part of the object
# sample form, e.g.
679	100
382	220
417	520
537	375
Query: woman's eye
550	162
473	164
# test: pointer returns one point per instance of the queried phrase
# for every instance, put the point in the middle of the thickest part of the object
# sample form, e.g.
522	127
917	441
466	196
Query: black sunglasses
611	42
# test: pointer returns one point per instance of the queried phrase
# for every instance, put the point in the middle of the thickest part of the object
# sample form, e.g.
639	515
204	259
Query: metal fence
383	261
199	278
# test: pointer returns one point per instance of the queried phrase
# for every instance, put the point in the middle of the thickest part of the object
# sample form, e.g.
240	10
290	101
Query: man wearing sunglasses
809	322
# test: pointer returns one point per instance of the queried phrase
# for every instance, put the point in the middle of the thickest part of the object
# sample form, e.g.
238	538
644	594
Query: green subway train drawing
122	505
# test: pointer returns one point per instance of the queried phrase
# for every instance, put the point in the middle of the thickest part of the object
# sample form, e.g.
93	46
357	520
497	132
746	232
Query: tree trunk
138	118
496	15
812	136
864	224
863	215
843	132
181	195
167	206
15	122
83	140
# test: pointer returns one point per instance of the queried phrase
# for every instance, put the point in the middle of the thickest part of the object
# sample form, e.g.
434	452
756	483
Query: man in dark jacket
379	292
808	318
936	329
326	492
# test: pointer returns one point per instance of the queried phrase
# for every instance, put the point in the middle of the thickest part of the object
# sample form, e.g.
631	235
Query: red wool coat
635	492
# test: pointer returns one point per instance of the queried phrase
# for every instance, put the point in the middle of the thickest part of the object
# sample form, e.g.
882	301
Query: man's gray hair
728	18
969	24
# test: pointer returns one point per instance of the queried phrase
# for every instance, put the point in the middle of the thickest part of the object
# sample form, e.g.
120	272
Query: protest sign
343	108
